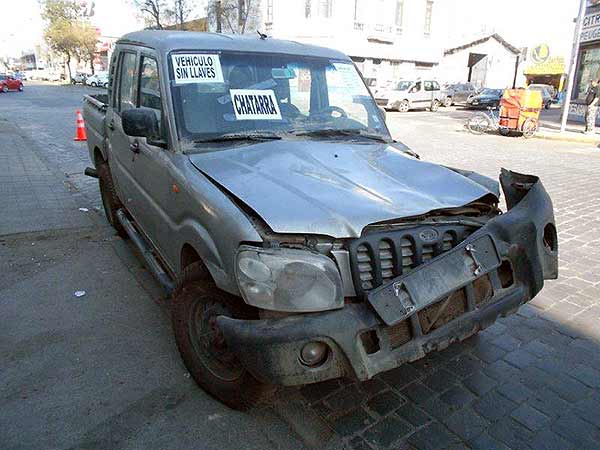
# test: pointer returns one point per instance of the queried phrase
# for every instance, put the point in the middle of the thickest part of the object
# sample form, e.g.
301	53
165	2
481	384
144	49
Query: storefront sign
554	65
591	27
540	53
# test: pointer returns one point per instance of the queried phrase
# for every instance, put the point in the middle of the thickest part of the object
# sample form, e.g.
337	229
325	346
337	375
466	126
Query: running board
146	251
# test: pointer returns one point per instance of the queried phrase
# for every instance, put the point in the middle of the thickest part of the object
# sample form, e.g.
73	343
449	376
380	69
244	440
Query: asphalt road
102	371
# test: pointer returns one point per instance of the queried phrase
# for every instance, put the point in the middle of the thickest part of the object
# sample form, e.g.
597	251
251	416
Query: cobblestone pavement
531	381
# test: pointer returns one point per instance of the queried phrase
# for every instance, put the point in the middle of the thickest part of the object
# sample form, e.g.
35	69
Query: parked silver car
299	241
410	94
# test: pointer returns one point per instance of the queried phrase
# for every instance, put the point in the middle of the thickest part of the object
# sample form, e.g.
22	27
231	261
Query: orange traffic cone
80	134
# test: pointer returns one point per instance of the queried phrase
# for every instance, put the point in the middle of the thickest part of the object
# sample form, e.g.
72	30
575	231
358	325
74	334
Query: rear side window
127	82
428	85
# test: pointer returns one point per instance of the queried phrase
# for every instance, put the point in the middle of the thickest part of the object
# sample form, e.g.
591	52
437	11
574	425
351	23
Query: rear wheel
404	106
448	102
529	127
93	84
479	124
21	87
110	200
435	105
5	88
196	303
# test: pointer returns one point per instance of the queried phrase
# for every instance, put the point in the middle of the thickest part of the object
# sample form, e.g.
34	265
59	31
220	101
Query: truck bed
94	115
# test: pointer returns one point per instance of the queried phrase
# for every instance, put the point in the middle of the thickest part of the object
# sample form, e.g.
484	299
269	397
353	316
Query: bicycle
483	122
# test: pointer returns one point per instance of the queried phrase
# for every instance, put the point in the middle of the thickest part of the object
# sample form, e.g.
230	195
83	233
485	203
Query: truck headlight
289	280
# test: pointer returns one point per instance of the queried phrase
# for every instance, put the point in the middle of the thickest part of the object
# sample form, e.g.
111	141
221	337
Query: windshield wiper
341	132
242	136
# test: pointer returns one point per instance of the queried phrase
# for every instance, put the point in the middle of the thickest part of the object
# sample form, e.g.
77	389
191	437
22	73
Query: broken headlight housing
288	280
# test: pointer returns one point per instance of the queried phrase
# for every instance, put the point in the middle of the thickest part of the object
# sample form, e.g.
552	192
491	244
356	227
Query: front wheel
94	84
529	127
5	89
404	106
196	303
479	124
435	105
20	88
448	102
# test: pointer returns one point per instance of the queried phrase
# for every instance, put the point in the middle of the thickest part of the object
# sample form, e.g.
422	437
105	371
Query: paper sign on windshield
255	104
196	68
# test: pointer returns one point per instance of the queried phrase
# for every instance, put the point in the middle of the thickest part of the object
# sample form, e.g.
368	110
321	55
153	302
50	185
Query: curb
566	138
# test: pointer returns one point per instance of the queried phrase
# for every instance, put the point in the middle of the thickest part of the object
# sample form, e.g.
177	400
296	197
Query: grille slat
377	258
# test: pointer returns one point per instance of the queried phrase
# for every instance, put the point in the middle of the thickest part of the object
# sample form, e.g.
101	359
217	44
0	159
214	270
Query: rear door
428	96
418	96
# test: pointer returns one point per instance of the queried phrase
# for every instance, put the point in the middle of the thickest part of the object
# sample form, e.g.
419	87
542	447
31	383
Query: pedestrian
592	99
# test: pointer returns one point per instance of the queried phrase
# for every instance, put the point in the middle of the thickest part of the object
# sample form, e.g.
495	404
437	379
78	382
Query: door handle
111	126
134	147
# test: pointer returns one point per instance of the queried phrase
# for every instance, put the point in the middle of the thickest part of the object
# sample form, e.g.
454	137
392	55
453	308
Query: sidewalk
550	129
32	197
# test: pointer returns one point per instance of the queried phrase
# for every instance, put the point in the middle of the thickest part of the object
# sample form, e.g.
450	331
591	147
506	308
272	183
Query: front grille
379	257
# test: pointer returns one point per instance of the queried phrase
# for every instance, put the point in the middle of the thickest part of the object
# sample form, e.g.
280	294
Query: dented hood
334	188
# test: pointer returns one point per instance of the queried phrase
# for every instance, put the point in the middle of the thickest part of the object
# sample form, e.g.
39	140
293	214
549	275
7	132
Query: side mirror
140	122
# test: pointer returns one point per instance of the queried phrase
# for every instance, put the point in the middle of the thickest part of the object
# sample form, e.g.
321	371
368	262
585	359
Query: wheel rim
478	124
403	107
209	343
529	128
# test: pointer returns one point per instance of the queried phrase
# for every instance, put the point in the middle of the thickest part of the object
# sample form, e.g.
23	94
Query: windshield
230	93
491	92
403	85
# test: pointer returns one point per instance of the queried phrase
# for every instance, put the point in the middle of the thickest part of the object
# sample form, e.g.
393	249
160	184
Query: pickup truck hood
331	188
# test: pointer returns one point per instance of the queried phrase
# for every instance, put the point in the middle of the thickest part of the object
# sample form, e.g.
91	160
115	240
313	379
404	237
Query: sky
523	23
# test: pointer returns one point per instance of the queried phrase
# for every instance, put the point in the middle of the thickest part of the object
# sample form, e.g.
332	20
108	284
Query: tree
234	16
154	11
66	32
180	11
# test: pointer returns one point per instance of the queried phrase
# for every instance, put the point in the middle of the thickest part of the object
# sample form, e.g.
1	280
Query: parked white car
410	94
99	79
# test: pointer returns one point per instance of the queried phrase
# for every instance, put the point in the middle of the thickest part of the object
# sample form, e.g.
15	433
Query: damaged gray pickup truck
299	241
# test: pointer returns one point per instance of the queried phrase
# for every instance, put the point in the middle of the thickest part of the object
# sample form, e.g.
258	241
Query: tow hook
91	172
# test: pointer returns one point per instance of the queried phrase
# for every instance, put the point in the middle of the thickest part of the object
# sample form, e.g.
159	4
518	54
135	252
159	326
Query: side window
428	86
299	90
436	85
149	85
417	87
127	82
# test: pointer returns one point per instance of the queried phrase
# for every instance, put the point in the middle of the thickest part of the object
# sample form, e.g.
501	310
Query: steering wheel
330	110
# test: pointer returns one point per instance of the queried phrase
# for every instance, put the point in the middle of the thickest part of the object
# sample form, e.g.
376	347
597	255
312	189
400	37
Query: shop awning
552	66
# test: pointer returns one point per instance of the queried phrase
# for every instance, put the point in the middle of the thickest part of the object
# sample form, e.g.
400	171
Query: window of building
127	82
325	7
589	69
269	11
428	16
399	13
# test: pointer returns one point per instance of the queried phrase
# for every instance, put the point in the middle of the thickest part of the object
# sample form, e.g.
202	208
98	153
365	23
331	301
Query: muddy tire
110	200
196	302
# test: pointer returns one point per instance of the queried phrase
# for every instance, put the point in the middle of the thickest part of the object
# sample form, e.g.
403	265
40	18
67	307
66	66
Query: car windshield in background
403	85
231	95
491	92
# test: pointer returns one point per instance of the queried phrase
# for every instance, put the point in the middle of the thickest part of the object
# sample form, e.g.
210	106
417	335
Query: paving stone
486	442
466	424
548	440
574	430
479	383
520	358
318	391
457	397
488	352
358	443
493	406
385	402
387	431
511	433
438	409
549	403
413	414
589	409
345	399
538	348
570	389
507	342
418	393
464	365
352	422
440	380
433	437
401	376
501	371
515	391
530	417
372	386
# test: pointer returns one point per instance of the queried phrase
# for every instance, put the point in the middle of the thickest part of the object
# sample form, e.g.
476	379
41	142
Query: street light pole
572	66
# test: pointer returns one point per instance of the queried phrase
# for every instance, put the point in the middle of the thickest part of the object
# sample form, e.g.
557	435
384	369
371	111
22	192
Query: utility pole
572	66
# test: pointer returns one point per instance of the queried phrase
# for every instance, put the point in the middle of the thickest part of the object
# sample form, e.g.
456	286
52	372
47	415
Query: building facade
387	39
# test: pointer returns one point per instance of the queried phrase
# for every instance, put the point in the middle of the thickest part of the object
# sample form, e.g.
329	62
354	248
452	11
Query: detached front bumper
491	273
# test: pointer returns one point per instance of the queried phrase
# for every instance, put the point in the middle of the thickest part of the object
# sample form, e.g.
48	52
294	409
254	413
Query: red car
8	83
